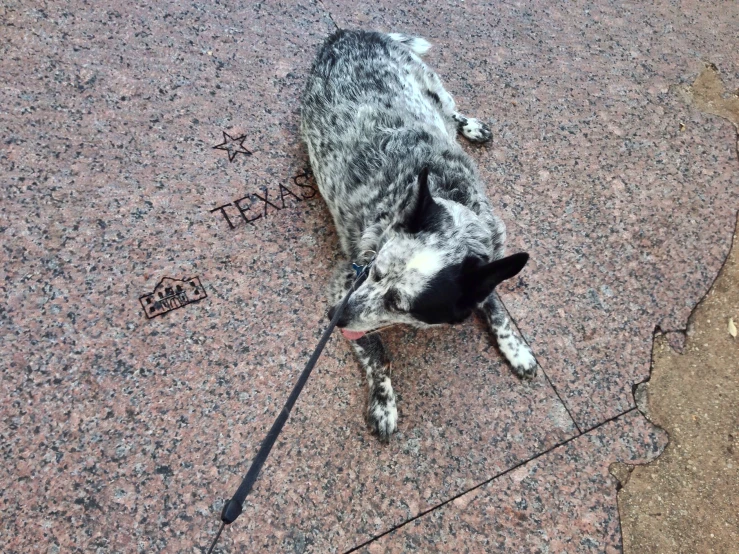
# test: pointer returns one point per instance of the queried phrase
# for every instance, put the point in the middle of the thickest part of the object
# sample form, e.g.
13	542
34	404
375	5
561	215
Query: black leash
233	507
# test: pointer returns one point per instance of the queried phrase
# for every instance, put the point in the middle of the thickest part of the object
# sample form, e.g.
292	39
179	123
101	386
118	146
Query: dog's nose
343	320
331	312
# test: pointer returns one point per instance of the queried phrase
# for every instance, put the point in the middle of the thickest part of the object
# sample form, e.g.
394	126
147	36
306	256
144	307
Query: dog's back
372	121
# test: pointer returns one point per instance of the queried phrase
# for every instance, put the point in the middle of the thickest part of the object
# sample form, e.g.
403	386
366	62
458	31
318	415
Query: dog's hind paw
475	130
382	414
523	362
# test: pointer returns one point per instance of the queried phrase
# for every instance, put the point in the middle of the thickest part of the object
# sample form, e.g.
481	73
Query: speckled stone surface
120	433
624	196
330	475
563	501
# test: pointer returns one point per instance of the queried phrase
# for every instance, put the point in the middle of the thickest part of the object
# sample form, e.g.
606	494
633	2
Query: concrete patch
688	499
707	93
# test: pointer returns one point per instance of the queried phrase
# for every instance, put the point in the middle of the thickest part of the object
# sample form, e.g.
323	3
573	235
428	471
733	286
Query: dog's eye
392	301
376	275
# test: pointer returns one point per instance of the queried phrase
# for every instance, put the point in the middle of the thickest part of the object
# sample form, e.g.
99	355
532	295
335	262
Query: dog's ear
423	212
478	281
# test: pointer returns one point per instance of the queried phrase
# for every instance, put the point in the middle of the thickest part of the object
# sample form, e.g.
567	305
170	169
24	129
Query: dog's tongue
352	335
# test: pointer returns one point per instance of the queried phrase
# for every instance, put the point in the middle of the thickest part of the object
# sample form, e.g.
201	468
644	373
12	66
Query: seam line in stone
487	481
546	376
331	17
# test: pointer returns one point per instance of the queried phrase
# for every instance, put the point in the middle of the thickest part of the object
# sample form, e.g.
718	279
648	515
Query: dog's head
430	268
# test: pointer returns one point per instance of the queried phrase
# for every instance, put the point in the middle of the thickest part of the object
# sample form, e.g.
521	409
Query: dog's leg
515	350
382	413
472	129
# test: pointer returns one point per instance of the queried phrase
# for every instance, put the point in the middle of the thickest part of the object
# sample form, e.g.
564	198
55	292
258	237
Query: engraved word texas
255	206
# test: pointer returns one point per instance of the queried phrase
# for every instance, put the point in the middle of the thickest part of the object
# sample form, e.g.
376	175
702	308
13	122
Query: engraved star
233	145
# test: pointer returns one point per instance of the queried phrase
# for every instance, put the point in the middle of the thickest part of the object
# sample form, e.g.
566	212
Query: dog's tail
419	45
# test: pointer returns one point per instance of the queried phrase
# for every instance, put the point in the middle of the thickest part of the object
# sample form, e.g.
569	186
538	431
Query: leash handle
232	509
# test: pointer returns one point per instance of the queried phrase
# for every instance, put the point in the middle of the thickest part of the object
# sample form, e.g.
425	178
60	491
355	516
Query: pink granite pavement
562	501
121	432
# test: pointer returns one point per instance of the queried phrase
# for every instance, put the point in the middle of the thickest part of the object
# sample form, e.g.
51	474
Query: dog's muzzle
343	321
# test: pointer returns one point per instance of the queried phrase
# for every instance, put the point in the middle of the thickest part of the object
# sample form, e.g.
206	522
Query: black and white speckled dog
381	135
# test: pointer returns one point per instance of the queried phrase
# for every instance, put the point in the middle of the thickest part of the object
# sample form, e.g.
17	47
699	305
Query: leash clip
359	269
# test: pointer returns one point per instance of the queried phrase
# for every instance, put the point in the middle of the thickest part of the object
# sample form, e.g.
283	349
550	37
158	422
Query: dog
380	130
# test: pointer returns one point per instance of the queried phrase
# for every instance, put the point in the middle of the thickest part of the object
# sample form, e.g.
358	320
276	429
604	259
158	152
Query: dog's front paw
523	362
382	414
475	130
